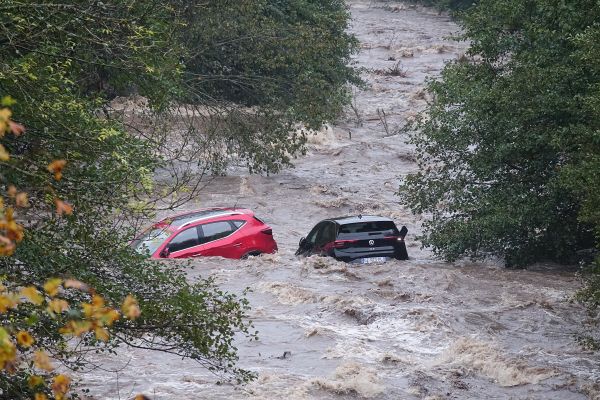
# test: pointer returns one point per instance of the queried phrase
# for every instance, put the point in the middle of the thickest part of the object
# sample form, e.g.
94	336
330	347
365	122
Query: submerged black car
361	239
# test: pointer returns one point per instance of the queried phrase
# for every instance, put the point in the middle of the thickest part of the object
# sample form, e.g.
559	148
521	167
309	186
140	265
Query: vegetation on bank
509	147
248	71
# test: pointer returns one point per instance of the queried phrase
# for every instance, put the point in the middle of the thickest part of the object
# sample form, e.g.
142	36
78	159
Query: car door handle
237	245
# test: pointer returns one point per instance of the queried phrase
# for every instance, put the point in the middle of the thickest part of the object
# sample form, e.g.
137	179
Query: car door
308	245
325	236
241	242
184	244
216	240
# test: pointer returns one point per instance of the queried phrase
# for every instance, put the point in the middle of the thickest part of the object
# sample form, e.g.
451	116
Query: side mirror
302	242
164	253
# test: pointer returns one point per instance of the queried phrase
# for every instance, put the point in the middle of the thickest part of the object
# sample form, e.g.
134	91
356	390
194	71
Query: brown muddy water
417	329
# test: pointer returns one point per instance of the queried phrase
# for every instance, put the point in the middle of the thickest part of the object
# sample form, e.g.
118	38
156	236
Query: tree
60	61
94	170
509	147
261	67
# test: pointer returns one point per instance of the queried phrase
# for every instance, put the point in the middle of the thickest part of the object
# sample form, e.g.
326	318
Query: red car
224	232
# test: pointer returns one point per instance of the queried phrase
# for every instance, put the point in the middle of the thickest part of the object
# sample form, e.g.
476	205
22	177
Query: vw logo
371	242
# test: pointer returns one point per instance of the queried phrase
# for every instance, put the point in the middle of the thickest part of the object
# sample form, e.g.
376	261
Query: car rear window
357	228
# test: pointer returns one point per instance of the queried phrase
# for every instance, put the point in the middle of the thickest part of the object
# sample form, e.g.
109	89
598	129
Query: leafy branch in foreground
212	84
30	317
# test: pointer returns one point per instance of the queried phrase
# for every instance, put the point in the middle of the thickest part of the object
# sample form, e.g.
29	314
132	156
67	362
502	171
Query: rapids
417	329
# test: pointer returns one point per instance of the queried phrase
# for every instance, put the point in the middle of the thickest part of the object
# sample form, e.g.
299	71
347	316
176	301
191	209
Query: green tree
508	148
265	66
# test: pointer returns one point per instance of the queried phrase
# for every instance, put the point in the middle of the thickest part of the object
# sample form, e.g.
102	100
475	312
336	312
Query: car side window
327	234
312	236
215	231
184	240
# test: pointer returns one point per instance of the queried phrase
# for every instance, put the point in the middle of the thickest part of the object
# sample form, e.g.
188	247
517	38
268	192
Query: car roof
182	220
358	218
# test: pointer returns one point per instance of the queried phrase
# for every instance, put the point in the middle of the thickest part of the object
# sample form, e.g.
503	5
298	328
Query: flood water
417	329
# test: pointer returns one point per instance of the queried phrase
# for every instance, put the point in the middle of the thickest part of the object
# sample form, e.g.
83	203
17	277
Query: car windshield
385	227
150	241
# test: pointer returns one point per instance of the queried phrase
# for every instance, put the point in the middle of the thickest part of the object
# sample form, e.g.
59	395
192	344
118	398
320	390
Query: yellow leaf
21	200
57	306
75	284
60	385
110	317
8	351
130	307
88	310
42	361
56	168
5	114
35	380
12	191
76	328
40	396
25	339
101	334
32	294
63	207
8	301
97	301
52	285
4	155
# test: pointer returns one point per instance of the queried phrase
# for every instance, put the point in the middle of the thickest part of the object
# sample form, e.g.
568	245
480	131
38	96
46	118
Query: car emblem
371	242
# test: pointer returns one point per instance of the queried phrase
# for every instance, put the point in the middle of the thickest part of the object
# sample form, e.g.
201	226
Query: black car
361	239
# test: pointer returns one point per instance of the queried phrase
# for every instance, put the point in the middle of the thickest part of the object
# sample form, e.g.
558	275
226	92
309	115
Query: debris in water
286	354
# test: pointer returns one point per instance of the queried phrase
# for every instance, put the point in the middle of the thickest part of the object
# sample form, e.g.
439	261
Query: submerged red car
223	232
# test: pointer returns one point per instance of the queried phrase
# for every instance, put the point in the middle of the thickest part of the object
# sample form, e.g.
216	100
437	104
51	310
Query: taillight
397	238
340	244
267	231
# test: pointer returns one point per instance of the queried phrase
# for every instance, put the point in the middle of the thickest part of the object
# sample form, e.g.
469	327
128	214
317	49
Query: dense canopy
214	83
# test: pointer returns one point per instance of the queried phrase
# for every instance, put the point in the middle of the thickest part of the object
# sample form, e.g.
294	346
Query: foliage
25	365
31	314
280	62
508	150
91	167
